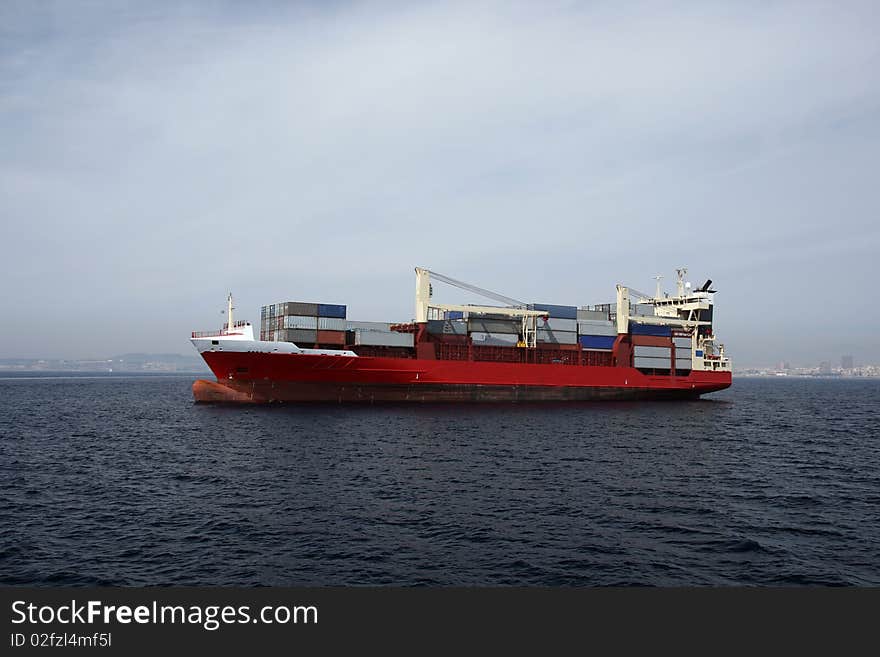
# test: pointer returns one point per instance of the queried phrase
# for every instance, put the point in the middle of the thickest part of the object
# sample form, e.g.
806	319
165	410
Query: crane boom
490	310
475	289
519	309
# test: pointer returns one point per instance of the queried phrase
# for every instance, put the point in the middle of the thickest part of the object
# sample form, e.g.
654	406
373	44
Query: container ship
661	346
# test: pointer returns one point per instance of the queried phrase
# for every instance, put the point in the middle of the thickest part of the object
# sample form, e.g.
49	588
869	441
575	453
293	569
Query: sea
121	480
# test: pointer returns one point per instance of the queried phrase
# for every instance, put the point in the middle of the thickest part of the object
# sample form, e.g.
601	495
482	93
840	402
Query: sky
154	156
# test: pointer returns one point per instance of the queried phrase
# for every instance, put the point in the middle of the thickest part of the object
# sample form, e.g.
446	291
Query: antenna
681	273
229	312
658	278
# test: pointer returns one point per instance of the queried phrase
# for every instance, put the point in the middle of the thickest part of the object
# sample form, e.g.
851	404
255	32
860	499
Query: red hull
265	377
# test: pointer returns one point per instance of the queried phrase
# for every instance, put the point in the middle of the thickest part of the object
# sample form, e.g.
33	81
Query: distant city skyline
156	157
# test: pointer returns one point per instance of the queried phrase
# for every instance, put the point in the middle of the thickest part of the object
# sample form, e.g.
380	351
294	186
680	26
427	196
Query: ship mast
681	273
229	312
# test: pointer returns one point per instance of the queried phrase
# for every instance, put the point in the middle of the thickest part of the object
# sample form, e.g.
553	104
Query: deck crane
514	307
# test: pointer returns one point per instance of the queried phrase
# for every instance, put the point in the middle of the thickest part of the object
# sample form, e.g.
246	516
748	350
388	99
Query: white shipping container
331	324
301	322
682	343
652	363
557	337
351	325
382	339
654	352
597	328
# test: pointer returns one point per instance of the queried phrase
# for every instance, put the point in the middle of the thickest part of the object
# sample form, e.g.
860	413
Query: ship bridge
688	313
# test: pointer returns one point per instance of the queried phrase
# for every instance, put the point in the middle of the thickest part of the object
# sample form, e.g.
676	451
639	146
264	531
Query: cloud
156	157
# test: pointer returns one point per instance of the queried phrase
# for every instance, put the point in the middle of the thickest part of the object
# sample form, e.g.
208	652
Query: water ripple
126	482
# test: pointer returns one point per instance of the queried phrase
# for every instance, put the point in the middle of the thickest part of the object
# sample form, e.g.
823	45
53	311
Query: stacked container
683	358
651	341
363	337
657	358
596	331
375	334
596	334
560	327
269	316
320	324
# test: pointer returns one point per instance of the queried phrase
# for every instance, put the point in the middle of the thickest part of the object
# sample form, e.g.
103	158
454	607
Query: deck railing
221	332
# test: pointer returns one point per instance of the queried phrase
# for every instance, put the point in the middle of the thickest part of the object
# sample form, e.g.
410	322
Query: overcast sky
153	157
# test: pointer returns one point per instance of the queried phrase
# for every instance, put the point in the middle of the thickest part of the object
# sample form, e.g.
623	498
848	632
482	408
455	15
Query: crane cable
637	292
475	289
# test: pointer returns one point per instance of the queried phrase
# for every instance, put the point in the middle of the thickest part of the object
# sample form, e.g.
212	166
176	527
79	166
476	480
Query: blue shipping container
597	341
331	310
454	314
650	329
562	312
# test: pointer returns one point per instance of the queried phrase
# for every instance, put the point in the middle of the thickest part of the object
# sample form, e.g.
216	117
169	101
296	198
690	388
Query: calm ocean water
124	481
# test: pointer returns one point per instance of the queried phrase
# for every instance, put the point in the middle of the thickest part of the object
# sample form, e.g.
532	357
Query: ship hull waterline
261	378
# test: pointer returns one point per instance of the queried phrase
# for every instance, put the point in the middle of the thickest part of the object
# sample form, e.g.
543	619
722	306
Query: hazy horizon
156	156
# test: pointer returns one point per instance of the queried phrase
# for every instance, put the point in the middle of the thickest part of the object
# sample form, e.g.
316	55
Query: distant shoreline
23	374
104	374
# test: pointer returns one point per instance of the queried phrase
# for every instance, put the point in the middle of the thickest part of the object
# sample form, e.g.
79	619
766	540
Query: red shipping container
331	337
651	341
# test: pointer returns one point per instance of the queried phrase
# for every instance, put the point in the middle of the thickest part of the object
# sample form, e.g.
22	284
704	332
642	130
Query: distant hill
165	358
165	362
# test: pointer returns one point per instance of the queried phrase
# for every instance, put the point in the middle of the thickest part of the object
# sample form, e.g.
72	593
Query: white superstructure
686	312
